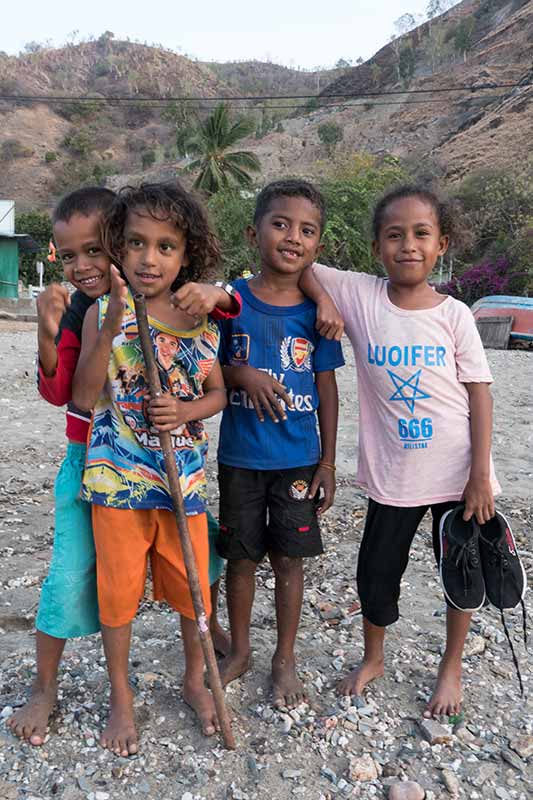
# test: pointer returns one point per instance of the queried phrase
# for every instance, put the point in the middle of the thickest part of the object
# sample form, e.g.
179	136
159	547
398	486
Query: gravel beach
376	747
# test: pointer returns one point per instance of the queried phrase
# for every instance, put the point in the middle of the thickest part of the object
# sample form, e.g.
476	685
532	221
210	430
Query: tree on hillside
330	134
406	23
219	166
375	71
437	7
462	36
406	64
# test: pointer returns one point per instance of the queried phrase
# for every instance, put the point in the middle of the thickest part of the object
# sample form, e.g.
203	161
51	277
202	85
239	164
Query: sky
298	34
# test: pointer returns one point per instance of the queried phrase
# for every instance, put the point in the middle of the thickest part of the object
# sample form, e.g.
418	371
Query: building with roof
11	244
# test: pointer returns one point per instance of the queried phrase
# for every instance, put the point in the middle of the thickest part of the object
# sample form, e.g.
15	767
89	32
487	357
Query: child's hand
196	299
329	322
167	412
117	301
479	500
51	305
324	478
265	393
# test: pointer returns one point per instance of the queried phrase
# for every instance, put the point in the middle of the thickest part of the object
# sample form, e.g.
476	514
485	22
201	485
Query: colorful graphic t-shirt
283	341
125	465
414	423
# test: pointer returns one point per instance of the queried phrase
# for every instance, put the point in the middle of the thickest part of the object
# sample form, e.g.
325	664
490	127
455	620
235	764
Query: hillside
261	77
48	148
448	133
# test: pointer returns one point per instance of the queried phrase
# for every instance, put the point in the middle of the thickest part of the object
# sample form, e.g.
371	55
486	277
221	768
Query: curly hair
447	211
163	202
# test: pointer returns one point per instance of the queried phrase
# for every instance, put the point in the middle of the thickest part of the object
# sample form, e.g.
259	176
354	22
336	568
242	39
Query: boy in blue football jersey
275	473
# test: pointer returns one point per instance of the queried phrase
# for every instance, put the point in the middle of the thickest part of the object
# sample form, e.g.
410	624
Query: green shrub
81	142
102	68
38	225
350	191
148	158
80	109
232	210
50	156
330	134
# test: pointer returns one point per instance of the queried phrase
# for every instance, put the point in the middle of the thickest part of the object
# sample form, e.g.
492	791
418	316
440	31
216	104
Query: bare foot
357	679
233	666
447	697
120	734
221	639
200	699
287	688
30	721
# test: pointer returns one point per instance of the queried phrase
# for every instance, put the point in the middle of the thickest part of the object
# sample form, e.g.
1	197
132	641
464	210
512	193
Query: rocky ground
325	749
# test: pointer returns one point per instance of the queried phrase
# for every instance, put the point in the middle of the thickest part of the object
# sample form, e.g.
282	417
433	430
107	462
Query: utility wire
346	105
257	98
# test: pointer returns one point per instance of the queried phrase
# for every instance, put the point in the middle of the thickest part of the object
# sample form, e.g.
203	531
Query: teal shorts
68	606
216	563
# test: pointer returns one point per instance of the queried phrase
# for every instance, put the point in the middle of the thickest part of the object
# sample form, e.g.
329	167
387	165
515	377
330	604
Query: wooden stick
189	558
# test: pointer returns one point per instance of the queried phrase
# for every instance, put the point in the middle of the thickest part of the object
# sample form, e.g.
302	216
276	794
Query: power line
343	106
254	98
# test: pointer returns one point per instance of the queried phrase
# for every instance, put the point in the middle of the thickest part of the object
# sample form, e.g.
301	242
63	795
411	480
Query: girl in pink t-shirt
425	420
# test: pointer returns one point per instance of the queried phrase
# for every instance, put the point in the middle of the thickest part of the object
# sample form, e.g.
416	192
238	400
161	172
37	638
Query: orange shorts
124	538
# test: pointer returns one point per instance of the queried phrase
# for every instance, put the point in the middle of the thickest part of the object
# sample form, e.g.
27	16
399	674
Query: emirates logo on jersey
296	353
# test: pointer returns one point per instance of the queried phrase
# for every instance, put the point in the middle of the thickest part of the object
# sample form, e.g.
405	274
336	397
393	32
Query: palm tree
211	142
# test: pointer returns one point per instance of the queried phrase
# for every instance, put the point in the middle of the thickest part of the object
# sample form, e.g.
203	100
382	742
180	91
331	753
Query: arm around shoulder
329	321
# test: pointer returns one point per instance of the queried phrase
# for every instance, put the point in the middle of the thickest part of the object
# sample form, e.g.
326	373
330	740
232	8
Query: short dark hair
83	201
290	187
166	201
445	210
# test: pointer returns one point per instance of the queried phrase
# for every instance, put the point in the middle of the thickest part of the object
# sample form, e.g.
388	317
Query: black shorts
384	555
267	510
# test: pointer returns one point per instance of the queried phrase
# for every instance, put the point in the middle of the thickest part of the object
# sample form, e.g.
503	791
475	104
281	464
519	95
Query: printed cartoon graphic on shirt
125	463
414	432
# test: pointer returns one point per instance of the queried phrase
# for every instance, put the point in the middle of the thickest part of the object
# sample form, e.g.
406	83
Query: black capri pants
384	555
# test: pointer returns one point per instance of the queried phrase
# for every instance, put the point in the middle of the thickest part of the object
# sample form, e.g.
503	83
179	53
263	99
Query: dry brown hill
264	77
46	148
452	133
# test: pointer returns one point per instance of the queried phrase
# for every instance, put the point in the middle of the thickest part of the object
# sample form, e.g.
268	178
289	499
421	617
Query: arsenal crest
299	489
295	353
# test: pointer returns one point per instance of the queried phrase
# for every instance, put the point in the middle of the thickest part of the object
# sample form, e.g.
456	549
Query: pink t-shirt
414	432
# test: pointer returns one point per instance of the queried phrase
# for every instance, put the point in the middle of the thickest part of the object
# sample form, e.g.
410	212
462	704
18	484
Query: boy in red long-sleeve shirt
68	605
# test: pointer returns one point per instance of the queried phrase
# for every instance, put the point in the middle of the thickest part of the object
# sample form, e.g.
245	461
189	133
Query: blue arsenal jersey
283	341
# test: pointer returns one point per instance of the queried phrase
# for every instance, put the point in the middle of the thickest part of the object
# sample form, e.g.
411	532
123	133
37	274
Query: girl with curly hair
160	237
